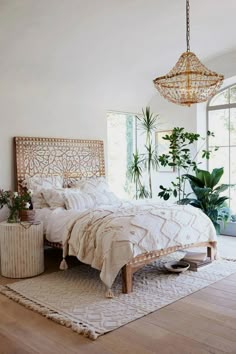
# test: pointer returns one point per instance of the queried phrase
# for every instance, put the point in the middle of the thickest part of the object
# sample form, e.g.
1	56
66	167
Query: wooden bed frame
75	158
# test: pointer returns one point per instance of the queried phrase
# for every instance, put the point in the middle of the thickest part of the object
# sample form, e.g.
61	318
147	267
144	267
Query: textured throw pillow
98	188
90	184
77	200
37	183
54	197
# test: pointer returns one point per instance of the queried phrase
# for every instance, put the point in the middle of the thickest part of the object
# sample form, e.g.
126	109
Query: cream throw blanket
109	237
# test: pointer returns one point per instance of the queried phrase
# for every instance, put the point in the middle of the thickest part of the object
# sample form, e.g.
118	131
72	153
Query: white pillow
37	183
75	199
105	197
98	188
54	197
91	184
38	200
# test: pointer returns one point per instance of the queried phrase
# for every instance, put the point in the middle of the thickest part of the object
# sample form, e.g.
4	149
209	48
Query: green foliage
180	158
135	173
15	202
224	214
147	161
207	193
147	123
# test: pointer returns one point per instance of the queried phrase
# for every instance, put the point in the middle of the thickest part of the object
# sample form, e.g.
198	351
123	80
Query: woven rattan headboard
70	158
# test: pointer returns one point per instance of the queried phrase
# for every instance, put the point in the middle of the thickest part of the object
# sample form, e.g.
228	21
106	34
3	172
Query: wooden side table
21	250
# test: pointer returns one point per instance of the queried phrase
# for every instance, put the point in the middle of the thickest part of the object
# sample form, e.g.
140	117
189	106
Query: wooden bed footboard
141	260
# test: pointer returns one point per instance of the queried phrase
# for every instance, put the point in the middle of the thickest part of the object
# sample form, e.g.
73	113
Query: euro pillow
37	183
54	197
98	188
90	184
77	200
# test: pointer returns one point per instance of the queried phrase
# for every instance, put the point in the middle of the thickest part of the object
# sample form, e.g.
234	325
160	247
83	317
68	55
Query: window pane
232	201
233	126
120	148
220	98
219	159
218	123
232	165
233	94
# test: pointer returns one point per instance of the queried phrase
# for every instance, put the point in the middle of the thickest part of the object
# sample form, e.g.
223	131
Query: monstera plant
206	193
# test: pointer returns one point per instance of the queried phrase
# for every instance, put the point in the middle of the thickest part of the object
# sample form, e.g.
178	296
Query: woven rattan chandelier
189	81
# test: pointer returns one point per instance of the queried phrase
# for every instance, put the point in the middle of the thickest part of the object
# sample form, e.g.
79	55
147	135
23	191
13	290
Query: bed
75	159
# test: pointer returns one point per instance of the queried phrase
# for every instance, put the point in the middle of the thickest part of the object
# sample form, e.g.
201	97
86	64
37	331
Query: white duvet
108	237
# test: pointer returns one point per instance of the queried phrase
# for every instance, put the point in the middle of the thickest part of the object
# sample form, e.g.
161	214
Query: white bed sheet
56	222
43	215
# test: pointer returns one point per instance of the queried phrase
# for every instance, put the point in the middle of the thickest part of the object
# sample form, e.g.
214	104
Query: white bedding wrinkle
109	237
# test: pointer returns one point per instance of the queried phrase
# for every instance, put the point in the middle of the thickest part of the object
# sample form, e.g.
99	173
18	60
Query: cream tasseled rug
75	298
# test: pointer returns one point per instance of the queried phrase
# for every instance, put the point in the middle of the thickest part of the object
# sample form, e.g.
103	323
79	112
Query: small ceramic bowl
177	266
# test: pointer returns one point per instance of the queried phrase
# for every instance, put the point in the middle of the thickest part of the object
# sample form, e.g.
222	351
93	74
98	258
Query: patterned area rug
75	298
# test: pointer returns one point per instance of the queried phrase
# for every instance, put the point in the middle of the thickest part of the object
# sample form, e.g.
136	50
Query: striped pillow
98	189
77	200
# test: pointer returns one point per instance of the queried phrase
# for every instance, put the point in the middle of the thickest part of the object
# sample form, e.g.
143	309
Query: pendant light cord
187	26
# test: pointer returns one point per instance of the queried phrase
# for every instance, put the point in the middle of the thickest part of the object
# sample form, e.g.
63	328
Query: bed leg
211	251
127	283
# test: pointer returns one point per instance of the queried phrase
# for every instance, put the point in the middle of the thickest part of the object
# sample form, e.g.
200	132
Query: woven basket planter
27	215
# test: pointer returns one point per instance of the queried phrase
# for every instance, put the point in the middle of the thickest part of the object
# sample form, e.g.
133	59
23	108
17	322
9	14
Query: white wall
33	112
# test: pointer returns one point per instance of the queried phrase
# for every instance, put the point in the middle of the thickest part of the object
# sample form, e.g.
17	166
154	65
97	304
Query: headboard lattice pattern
70	158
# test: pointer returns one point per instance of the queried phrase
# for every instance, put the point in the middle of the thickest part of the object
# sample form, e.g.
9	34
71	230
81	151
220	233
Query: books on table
195	256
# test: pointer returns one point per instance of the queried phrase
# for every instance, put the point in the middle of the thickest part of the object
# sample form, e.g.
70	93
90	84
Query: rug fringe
80	328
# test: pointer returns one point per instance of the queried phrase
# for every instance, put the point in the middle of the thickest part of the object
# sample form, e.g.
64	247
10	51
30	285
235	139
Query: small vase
13	217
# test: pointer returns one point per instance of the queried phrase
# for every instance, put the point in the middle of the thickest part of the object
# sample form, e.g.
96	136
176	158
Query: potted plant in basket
227	221
16	203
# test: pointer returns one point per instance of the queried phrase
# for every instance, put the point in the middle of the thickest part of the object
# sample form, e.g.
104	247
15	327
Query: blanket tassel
109	294
63	265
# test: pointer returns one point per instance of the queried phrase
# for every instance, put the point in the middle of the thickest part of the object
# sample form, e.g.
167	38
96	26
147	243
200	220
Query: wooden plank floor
204	322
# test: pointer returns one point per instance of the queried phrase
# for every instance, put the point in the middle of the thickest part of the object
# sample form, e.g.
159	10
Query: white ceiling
111	49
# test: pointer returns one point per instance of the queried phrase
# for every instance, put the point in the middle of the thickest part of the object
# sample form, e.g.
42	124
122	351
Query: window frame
227	106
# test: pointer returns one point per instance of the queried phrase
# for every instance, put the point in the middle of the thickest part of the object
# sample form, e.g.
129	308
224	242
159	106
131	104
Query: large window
222	121
121	143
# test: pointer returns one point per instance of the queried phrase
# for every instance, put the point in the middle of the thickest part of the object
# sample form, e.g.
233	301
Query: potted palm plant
148	160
